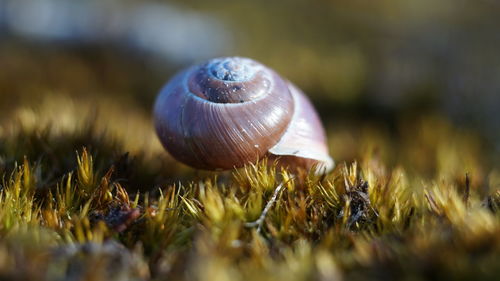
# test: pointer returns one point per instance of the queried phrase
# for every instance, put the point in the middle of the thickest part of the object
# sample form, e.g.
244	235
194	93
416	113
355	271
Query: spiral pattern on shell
231	111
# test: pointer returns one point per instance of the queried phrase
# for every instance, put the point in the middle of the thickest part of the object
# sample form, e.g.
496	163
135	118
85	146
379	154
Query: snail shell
231	111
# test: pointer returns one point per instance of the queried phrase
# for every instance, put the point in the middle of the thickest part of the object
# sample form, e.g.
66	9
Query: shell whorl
231	80
233	69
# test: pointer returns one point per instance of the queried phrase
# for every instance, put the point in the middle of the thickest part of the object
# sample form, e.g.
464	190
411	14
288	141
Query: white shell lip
325	162
305	136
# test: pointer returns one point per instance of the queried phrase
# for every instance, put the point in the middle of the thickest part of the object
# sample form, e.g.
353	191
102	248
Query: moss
92	199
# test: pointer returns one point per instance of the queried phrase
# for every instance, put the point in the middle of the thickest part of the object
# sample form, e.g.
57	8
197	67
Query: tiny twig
258	223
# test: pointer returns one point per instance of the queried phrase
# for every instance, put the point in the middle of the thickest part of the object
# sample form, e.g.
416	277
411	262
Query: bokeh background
409	92
402	72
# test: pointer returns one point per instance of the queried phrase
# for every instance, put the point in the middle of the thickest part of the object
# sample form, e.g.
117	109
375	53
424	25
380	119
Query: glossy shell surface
231	111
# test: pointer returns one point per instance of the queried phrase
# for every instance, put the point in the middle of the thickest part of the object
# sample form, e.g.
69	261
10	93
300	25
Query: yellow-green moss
94	201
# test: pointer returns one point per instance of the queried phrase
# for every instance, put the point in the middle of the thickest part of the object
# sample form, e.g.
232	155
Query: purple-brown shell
231	111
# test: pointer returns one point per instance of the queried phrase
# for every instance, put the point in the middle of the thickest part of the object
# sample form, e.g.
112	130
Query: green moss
74	205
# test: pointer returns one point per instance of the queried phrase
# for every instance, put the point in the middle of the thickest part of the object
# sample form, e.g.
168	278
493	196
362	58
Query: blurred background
401	71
